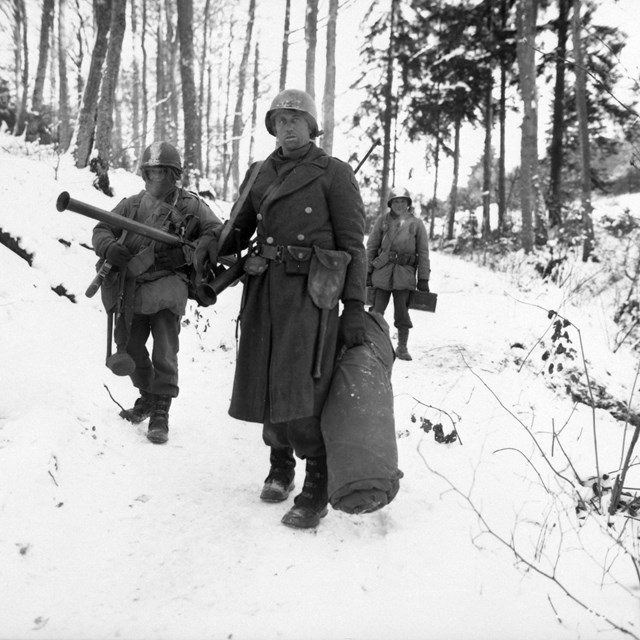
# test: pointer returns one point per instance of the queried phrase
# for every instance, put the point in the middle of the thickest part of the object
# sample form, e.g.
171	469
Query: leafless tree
329	96
284	61
64	114
238	121
526	19
583	126
310	36
191	112
85	129
46	25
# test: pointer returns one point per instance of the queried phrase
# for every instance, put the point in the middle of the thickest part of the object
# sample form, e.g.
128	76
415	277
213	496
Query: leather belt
270	251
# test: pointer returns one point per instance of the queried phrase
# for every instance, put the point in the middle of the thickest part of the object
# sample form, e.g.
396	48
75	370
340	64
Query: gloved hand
206	251
169	258
118	255
352	323
423	285
369	283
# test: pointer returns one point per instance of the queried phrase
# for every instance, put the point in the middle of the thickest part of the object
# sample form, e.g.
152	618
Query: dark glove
206	251
423	285
352	323
369	283
118	255
169	258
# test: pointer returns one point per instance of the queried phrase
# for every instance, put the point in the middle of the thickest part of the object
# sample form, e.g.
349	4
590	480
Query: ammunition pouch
327	274
297	260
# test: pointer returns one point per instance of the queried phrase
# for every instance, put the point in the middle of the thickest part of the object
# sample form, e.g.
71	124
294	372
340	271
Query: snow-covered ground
104	535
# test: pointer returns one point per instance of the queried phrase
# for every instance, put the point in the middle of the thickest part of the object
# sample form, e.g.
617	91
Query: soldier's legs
158	373
303	435
165	329
142	376
381	300
401	319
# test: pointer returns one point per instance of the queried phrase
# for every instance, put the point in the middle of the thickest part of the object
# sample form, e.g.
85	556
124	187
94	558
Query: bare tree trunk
173	123
487	155
78	62
502	192
487	164
526	23
284	60
135	92
226	161
208	126
117	148
389	109
108	90
145	90
453	197
329	96
192	125
238	123
162	109
256	91
434	199
22	65
555	149
85	129
310	36
583	124
46	25
203	57
64	115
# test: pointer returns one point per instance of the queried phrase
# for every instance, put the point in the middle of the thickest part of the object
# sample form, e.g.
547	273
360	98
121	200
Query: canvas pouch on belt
327	274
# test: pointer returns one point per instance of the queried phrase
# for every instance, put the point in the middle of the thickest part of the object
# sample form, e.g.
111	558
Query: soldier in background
309	217
397	253
149	281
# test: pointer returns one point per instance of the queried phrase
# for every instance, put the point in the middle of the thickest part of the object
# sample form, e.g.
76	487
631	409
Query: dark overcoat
315	201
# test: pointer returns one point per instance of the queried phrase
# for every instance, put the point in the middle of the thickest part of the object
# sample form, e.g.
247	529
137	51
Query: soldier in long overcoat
398	262
306	210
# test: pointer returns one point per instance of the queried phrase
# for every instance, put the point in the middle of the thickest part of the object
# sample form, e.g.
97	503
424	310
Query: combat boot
279	483
401	351
141	409
158	431
310	505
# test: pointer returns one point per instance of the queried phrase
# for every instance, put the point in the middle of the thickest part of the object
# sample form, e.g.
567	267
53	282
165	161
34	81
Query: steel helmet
399	193
296	100
161	154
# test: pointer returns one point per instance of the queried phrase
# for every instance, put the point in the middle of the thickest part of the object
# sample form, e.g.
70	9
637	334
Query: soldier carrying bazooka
145	272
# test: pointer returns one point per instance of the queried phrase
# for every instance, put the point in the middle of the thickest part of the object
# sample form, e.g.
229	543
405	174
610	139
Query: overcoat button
300	236
308	209
269	240
259	216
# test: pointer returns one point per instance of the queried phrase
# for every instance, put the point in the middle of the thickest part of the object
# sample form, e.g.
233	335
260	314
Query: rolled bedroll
358	424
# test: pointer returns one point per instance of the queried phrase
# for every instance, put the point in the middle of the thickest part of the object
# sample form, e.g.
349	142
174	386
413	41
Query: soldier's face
292	129
158	181
399	205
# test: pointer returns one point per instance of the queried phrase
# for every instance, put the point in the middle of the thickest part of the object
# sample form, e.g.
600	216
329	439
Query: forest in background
100	80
